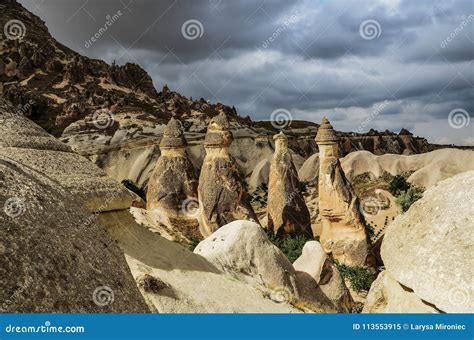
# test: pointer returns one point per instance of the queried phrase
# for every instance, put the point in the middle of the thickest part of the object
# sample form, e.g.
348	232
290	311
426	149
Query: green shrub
291	246
194	243
398	184
260	196
408	197
360	278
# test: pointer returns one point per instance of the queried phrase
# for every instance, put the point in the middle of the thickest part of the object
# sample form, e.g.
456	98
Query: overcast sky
365	64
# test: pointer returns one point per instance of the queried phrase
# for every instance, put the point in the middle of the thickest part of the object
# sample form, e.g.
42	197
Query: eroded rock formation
173	182
315	269
287	212
427	253
54	256
221	191
343	232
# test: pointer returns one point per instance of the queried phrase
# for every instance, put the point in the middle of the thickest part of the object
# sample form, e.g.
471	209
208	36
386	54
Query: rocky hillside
66	93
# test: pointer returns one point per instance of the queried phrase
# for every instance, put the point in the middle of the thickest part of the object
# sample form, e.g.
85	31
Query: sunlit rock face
173	182
287	212
222	193
343	233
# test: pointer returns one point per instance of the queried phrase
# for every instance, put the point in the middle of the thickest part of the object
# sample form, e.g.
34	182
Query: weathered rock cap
280	136
326	134
218	134
173	136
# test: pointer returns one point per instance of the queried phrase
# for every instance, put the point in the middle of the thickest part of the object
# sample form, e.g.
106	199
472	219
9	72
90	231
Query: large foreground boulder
175	280
428	251
53	257
242	249
25	142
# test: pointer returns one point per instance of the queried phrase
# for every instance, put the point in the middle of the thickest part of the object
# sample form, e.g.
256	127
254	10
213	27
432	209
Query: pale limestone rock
386	295
181	281
25	142
309	171
242	249
328	287
173	182
343	233
221	191
51	248
260	174
430	248
286	210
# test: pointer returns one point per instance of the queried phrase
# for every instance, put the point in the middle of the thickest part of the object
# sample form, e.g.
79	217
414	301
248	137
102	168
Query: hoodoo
287	211
222	193
343	233
173	181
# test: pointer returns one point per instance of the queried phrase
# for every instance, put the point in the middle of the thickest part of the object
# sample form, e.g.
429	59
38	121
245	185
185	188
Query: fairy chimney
173	181
286	210
221	191
343	233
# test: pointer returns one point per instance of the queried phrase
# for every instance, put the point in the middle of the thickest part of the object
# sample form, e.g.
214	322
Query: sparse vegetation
259	197
408	197
291	246
360	278
130	185
194	243
398	184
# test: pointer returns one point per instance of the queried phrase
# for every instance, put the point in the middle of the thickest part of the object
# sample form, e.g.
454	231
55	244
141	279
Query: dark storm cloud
306	56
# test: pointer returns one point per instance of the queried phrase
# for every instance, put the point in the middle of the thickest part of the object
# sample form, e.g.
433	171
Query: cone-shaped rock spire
286	209
343	233
173	181
222	193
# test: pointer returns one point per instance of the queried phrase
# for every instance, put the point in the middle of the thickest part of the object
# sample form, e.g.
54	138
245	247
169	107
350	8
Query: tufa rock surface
429	249
343	233
242	249
173	181
221	191
324	283
286	210
54	257
174	280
